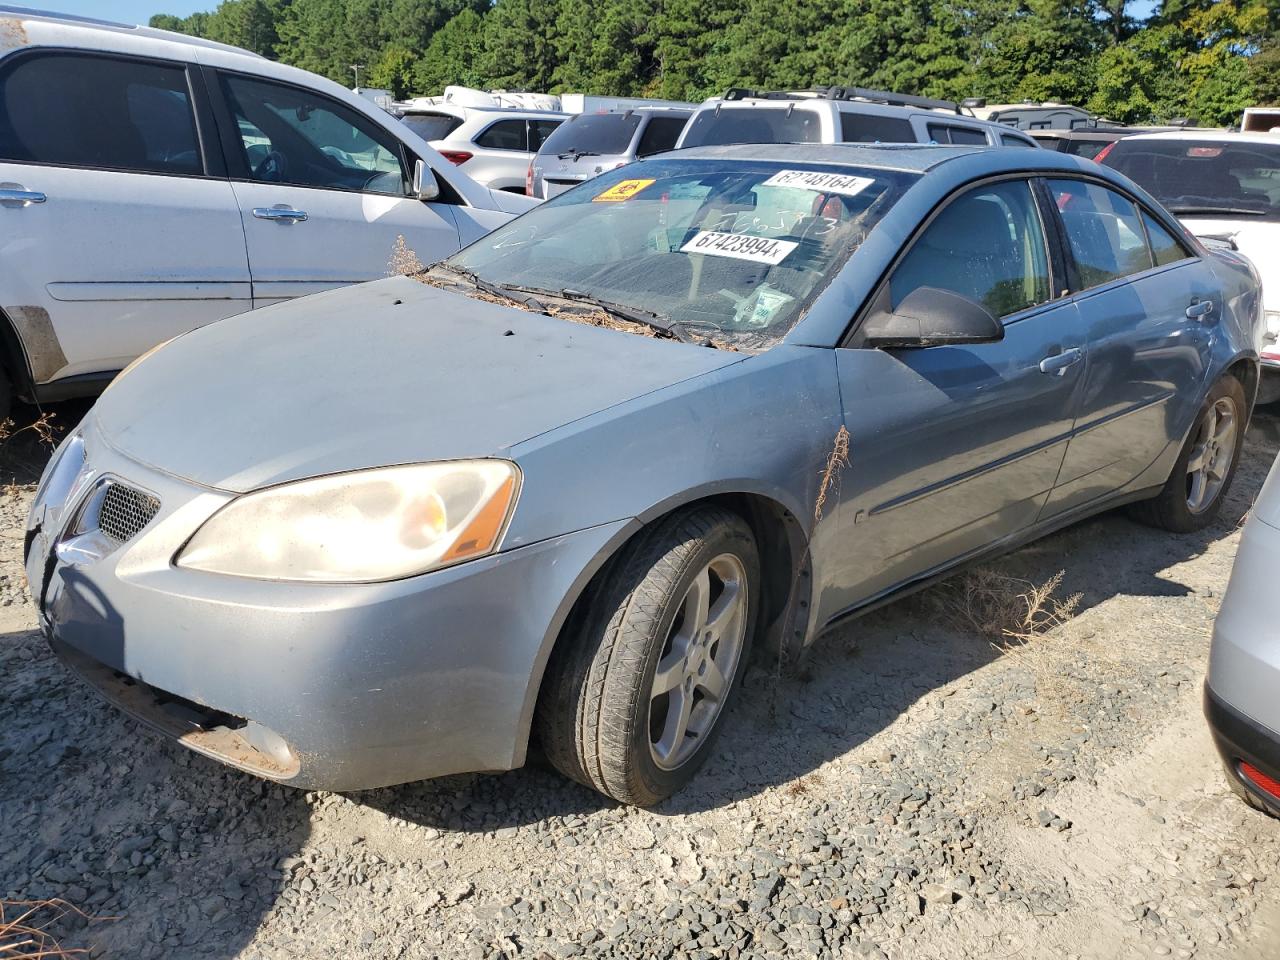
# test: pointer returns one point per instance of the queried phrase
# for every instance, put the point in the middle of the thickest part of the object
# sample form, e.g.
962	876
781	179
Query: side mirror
929	317
425	184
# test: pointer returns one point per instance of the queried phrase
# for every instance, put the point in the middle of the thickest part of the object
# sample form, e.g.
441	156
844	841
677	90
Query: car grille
124	511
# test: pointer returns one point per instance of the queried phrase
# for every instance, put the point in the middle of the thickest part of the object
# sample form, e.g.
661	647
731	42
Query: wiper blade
515	295
1234	211
576	154
622	311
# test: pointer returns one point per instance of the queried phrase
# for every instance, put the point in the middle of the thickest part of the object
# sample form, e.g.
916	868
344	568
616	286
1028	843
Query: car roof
907	157
94	25
1252	136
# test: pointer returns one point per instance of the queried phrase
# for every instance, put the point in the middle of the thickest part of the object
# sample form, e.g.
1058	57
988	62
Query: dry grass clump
42	427
1009	612
404	262
25	928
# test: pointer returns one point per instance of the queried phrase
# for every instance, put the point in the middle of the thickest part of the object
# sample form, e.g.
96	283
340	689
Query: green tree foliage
1201	58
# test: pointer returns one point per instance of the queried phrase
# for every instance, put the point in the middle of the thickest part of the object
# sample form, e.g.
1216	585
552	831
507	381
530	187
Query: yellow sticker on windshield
623	190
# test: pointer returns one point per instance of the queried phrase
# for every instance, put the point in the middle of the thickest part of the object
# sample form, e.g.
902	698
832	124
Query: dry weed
1009	612
837	460
801	785
43	428
404	262
25	928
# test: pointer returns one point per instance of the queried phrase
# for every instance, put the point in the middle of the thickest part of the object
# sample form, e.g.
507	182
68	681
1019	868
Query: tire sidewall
728	538
1227	386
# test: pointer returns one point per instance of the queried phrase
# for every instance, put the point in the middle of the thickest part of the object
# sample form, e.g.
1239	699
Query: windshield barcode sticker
843	184
739	246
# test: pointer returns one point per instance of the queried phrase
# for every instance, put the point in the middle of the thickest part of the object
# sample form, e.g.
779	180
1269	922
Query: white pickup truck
151	183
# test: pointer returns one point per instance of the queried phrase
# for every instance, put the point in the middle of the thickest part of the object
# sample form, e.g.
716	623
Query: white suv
840	115
494	146
151	183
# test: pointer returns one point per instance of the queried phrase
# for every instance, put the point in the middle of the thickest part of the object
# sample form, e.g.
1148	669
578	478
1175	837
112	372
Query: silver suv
840	115
591	143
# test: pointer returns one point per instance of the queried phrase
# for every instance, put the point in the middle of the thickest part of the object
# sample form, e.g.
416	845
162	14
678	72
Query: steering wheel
272	167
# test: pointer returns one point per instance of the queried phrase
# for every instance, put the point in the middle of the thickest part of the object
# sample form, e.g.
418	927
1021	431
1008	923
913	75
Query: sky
122	11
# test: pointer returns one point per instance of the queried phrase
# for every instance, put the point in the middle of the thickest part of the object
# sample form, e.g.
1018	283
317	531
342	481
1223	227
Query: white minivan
151	183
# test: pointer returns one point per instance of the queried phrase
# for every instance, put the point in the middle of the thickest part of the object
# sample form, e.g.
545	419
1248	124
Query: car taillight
456	157
1268	785
528	181
1102	154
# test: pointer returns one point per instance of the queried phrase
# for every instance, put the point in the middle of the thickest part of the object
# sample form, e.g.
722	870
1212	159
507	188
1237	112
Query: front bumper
321	686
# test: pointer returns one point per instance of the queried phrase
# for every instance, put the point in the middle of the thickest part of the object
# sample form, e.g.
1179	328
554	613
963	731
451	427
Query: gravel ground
918	794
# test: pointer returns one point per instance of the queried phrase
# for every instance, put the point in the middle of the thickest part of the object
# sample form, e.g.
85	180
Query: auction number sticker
840	183
739	246
622	190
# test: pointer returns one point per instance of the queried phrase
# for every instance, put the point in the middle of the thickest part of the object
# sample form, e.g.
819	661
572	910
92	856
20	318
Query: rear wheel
634	700
1192	497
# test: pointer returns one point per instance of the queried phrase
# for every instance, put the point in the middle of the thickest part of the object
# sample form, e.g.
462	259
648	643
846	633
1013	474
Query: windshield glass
1209	177
781	124
589	134
431	126
729	251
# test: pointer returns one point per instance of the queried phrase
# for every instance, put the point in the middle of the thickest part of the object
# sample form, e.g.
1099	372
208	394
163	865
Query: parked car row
350	541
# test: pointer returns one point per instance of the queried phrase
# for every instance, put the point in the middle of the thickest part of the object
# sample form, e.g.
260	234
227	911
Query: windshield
724	250
592	134
1206	177
782	124
431	126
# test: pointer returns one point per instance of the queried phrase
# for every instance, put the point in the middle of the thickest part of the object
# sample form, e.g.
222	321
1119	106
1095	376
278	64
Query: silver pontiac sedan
557	486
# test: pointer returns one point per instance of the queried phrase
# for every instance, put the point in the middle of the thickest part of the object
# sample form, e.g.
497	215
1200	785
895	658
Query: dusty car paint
953	450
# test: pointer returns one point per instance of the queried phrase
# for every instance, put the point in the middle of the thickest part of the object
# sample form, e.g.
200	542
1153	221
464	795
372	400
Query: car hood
393	371
509	202
1259	240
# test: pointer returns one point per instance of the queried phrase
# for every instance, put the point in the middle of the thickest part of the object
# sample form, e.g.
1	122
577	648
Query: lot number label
843	184
739	246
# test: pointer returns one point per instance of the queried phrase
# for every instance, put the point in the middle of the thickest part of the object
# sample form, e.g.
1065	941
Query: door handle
1199	309
1060	363
12	193
281	214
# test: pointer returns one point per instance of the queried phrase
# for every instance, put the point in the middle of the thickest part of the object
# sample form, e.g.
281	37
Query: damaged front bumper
321	686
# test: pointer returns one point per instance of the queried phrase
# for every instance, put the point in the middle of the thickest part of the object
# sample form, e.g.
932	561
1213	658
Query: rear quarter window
870	128
661	133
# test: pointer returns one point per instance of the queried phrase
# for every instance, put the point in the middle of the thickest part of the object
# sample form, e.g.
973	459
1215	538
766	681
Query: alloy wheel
1212	455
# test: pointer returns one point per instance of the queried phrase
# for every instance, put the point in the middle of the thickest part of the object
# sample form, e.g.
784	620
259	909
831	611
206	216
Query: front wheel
1192	497
634	700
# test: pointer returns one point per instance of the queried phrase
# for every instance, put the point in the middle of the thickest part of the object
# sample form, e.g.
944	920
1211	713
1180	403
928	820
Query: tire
1174	507
600	720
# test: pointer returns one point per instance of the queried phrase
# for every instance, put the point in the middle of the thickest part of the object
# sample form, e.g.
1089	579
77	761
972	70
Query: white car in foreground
151	183
1223	186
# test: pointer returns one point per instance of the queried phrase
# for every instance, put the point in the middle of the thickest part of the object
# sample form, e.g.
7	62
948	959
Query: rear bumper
1241	738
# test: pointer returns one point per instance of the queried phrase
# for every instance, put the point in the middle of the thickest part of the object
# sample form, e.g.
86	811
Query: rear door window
1104	231
104	113
505	135
988	245
1165	248
754	125
593	134
661	133
870	128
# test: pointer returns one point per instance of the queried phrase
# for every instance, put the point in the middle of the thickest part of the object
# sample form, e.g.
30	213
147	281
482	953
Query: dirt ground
918	794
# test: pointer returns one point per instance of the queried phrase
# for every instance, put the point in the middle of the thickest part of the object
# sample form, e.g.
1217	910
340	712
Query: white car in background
151	183
493	145
840	115
1222	186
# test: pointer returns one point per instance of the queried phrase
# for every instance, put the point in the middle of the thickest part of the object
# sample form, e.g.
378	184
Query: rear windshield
753	125
1205	177
431	126
592	134
1086	148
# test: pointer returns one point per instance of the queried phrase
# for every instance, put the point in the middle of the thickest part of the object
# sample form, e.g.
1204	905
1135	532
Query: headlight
380	524
1271	326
